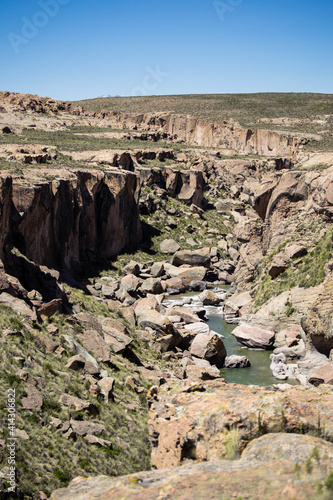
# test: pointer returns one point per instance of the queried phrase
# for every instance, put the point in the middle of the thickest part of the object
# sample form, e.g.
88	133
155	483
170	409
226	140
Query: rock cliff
68	222
208	134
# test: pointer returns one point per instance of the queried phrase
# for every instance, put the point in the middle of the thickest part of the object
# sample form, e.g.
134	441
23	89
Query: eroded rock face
209	134
68	222
318	322
195	417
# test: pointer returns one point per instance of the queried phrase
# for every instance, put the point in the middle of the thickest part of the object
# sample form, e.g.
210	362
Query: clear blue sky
89	48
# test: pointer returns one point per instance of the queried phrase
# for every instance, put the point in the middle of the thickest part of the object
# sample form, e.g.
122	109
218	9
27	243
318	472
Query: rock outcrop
193	419
265	470
65	223
208	134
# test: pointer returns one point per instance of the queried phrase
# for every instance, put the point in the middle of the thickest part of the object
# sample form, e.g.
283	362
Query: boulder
189	274
279	367
115	334
90	439
234	361
152	285
234	254
198	327
201	372
78	363
105	387
212	370
169	246
33	399
79	404
198	286
130	283
322	375
132	268
146	304
279	265
175	285
157	269
18	306
192	258
84	427
289	337
155	320
209	346
50	308
296	251
208	298
186	313
254	337
95	343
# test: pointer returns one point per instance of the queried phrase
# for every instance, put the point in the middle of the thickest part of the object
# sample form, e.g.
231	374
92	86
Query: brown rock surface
322	375
266	470
116	335
197	417
71	221
318	320
192	258
253	336
210	347
169	246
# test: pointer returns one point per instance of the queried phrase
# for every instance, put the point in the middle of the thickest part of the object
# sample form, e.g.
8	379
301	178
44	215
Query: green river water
259	372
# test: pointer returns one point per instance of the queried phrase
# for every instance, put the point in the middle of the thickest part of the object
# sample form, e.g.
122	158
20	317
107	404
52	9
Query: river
259	372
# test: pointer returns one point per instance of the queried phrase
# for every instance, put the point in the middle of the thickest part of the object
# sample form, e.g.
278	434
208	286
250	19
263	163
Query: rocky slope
105	217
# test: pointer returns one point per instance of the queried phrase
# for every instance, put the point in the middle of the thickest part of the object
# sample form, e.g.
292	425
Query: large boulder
252	336
199	327
279	265
95	343
152	285
169	246
208	298
234	361
209	346
116	335
186	313
130	283
192	258
188	274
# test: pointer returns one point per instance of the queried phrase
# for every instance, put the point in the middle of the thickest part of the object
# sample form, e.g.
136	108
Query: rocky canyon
166	297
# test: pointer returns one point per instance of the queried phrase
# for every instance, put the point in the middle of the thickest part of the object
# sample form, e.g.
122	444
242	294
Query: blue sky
76	49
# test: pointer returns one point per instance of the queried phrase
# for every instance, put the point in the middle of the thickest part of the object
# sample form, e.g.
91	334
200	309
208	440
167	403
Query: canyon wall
208	134
68	222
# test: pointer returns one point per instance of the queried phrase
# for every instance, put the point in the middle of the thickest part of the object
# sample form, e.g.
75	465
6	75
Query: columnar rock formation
68	222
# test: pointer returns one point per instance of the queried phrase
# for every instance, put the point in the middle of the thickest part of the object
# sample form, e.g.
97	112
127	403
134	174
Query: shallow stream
259	372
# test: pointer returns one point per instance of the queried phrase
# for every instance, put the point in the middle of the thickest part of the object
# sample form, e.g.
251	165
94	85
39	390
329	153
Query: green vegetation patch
308	273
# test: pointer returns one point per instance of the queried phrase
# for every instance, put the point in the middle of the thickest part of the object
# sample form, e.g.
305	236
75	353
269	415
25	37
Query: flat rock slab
266	470
253	336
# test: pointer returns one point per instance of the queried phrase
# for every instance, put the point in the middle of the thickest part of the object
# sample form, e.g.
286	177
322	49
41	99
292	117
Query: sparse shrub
232	444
